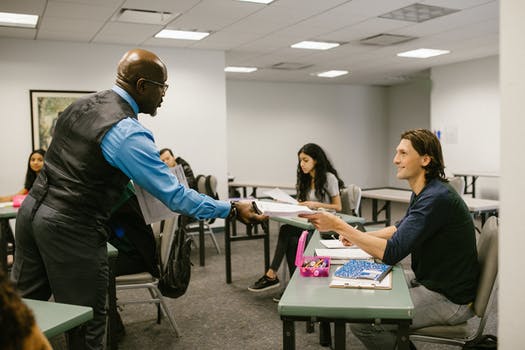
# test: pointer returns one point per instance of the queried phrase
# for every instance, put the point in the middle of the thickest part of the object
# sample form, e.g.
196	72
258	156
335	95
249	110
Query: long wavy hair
322	166
31	174
426	143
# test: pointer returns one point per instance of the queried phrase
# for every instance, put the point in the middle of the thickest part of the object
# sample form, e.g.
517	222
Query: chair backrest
351	199
207	184
457	183
488	259
166	239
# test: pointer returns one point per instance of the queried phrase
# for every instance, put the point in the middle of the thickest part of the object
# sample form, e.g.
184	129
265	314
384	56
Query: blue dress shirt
130	147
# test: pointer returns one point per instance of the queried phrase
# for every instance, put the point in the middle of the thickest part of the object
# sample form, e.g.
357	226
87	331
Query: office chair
208	186
351	199
457	183
145	280
460	334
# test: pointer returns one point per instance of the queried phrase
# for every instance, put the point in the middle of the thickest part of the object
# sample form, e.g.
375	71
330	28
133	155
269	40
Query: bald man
98	145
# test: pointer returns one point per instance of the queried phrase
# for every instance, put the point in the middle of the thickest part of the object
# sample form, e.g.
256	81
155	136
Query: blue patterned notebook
362	269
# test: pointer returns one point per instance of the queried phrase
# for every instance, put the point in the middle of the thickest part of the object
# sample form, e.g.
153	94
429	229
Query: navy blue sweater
439	233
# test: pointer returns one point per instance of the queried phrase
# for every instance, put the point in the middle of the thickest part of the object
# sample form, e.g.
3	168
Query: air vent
418	13
290	66
145	16
386	39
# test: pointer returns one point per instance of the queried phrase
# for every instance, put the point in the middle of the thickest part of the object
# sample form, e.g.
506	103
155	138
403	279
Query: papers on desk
281	196
281	209
341	256
338	282
334	244
6	204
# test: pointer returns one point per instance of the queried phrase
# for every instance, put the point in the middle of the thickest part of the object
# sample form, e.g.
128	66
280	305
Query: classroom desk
230	235
6	213
57	318
310	299
232	186
477	206
473	176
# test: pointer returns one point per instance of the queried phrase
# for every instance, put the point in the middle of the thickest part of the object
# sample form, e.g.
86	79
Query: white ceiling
260	35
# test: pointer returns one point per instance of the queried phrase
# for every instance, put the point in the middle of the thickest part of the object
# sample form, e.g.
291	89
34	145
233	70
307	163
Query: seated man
166	155
437	230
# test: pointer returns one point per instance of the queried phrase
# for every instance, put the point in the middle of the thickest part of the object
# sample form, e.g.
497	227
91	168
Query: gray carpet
215	315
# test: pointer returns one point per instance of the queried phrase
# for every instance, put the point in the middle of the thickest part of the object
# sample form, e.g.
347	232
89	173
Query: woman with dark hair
318	186
35	163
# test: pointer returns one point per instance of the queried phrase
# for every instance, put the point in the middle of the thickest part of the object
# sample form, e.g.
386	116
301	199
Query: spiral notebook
363	274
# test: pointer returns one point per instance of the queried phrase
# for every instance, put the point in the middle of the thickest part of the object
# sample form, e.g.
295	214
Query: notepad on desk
335	244
363	274
341	256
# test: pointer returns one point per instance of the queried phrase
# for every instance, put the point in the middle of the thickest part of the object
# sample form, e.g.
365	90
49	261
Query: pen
255	209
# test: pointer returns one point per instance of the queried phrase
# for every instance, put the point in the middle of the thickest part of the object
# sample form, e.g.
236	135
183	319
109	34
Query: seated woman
317	187
34	165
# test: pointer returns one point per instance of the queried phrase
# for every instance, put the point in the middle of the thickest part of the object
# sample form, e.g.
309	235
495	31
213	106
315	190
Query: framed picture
46	106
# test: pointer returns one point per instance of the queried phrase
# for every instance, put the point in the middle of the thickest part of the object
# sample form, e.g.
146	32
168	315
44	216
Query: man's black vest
76	180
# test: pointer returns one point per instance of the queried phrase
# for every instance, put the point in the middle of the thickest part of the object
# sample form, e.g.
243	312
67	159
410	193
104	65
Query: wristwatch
233	211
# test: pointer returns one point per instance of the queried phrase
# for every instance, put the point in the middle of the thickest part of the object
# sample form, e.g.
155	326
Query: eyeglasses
164	86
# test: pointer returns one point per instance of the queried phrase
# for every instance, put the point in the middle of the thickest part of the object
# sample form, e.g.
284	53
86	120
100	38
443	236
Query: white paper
282	209
339	282
153	209
343	254
335	244
281	196
6	204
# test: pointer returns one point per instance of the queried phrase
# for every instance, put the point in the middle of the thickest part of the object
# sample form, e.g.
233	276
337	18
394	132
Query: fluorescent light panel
232	69
181	34
315	45
258	1
423	53
18	20
332	73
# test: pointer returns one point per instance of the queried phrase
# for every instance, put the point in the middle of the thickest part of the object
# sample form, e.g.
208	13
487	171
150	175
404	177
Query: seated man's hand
247	214
323	221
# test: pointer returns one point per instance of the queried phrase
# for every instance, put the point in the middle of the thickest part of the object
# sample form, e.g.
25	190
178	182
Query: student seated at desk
166	155
18	329
437	230
34	165
317	187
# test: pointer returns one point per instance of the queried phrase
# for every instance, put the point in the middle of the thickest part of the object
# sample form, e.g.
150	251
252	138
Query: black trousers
61	256
286	246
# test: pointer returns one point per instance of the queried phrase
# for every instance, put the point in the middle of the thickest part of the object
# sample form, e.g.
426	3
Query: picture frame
45	108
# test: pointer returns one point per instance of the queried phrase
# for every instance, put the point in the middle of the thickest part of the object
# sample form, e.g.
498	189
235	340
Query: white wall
192	119
269	122
466	109
512	233
408	107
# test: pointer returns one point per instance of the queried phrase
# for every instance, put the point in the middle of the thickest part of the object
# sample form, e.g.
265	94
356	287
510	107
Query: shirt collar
124	94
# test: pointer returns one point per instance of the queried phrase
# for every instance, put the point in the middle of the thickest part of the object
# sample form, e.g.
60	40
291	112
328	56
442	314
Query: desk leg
403	342
474	178
267	247
388	213
227	250
201	244
374	210
4	226
112	305
340	335
288	335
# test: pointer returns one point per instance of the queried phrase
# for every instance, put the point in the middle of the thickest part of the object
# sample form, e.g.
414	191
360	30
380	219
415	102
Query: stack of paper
341	256
281	196
281	209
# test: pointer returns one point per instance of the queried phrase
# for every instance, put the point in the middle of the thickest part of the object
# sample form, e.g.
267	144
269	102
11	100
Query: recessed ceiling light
18	20
258	1
332	73
315	45
240	69
145	16
423	53
181	34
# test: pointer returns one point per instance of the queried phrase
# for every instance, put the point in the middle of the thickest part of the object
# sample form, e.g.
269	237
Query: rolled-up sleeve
131	148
